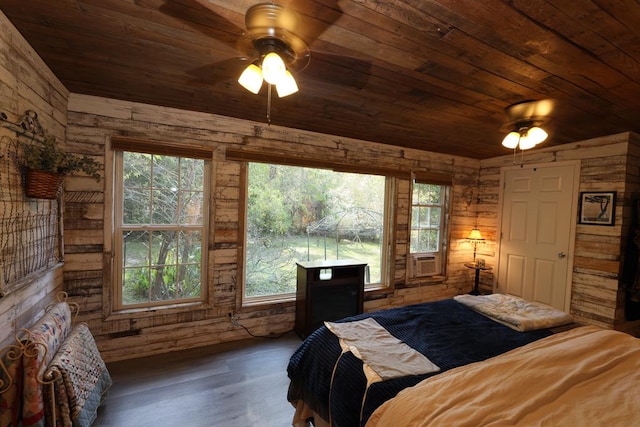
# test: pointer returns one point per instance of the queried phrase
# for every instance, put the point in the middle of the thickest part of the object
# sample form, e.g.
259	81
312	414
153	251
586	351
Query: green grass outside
271	265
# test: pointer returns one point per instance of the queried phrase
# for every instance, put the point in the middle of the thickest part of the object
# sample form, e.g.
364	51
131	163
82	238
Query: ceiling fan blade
337	69
204	20
529	110
298	23
313	18
223	71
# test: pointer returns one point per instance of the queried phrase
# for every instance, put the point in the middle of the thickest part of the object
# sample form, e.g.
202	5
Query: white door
537	230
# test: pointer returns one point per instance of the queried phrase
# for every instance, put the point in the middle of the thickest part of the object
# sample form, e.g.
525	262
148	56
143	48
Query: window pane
137	170
135	248
166	172
423	218
192	174
434	217
300	214
136	205
190	247
135	289
425	240
426	194
192	207
189	281
163	247
165	206
162	285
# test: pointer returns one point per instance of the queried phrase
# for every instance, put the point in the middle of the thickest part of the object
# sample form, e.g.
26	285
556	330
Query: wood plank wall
26	83
93	121
609	163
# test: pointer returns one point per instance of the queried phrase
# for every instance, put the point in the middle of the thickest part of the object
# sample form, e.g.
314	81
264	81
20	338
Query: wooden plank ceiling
427	74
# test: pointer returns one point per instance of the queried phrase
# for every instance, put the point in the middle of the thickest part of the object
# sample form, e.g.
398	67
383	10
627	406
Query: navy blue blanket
446	332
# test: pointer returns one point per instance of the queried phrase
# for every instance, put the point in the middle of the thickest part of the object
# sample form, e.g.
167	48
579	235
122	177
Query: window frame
119	146
443	219
445	204
387	234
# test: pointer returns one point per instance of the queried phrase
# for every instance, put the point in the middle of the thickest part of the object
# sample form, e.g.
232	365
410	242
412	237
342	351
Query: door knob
561	255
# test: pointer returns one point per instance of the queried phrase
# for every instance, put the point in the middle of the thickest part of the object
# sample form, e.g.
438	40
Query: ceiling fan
273	41
525	119
286	31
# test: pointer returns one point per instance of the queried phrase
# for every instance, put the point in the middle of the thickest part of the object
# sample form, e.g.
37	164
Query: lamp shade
273	68
287	85
475	235
251	79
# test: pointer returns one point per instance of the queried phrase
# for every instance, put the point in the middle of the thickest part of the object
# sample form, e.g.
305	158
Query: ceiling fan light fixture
287	85
273	68
251	78
524	137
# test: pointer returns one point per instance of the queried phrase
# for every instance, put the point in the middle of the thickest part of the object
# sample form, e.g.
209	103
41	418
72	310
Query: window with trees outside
428	217
298	214
160	229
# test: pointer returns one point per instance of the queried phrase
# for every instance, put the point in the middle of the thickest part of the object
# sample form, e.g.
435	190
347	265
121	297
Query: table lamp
475	237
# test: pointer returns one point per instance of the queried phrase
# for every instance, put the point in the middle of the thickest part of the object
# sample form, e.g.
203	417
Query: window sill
423	281
370	292
132	313
269	299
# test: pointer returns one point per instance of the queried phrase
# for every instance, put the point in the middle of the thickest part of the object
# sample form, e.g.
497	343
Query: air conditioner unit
425	264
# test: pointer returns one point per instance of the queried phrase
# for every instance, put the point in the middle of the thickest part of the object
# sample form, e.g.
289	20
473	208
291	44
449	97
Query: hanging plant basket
42	185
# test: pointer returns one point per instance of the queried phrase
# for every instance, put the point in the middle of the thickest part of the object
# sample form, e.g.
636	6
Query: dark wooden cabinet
326	291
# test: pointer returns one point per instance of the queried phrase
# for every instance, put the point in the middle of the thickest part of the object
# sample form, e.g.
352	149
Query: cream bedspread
582	377
515	312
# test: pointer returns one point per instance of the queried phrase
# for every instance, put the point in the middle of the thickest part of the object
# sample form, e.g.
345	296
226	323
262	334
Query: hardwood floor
227	385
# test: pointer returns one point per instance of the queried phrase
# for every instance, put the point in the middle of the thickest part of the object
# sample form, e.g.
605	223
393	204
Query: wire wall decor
30	232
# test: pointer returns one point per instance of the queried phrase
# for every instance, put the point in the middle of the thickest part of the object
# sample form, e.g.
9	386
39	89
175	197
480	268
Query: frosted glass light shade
273	68
287	85
537	135
526	142
511	140
251	79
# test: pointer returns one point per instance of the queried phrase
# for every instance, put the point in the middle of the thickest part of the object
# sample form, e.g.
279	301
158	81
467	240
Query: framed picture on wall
597	207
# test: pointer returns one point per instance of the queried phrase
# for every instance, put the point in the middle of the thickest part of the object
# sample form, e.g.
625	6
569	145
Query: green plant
45	155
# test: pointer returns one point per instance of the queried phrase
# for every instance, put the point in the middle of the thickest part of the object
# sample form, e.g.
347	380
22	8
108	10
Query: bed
330	384
580	377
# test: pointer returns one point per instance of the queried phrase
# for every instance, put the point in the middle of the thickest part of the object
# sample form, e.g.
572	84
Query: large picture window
160	233
303	214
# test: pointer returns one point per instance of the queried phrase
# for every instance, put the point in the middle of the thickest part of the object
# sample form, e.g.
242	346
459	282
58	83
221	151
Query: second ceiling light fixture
525	119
